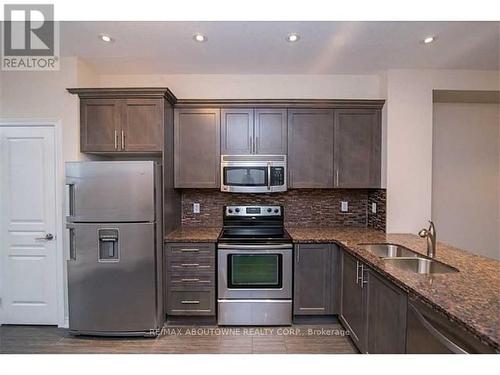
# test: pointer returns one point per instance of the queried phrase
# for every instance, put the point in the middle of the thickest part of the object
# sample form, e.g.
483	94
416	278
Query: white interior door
28	220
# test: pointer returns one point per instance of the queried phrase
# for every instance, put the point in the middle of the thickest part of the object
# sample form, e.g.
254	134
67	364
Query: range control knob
230	210
276	210
269	209
237	209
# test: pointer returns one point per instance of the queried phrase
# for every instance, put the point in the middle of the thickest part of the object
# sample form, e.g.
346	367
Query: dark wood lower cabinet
316	268
352	301
373	309
190	279
386	308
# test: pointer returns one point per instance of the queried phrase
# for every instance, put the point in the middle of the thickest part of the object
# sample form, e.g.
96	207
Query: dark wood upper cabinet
270	131
142	125
115	120
357	148
253	131
197	147
237	131
314	280
99	125
310	148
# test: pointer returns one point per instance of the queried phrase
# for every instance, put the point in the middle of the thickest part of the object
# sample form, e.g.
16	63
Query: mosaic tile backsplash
303	208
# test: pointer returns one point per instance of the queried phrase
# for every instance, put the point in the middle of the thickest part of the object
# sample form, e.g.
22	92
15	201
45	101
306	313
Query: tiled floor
323	338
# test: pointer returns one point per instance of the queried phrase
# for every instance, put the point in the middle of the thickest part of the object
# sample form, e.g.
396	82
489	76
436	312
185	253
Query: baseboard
191	320
64	324
315	319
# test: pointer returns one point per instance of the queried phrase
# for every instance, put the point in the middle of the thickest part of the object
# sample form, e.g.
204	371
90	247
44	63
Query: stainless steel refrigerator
115	231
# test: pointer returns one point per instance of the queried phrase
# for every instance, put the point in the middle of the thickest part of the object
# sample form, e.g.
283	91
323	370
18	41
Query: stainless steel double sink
406	259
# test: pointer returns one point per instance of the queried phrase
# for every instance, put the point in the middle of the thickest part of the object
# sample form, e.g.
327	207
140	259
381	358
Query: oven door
260	271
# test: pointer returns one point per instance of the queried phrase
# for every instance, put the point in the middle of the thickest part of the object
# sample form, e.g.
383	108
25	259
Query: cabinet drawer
199	302
191	263
193	249
191	279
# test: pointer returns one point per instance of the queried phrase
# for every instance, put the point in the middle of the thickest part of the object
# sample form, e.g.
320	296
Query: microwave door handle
268	176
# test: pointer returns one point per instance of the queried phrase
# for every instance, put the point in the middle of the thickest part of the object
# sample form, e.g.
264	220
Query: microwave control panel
277	176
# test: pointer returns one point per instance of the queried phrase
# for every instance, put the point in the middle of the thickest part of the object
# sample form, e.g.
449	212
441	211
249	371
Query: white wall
465	176
220	86
43	95
409	139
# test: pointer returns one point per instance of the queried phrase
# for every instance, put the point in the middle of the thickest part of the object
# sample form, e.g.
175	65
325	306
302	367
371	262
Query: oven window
245	176
255	271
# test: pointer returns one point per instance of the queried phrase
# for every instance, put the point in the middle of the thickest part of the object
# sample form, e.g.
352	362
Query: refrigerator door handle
72	249
71	198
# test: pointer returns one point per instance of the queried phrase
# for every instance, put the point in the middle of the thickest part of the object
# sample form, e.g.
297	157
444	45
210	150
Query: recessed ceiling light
199	38
429	39
293	37
106	38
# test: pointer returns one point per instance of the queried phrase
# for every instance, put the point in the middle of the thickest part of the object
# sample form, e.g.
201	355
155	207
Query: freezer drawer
112	278
115	191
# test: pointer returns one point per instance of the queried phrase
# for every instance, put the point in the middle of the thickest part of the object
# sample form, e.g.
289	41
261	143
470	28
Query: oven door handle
254	247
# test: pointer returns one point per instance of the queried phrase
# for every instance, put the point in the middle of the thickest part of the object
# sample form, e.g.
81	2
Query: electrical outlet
374	208
344	206
196	208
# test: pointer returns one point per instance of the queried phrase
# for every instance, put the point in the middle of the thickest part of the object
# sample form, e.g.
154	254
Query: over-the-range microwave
253	173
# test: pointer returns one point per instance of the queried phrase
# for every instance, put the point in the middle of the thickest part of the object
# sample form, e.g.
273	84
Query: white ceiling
260	47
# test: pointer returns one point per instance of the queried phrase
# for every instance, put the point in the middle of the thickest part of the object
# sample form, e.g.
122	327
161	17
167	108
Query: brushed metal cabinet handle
123	140
298	254
190	265
363	271
190	302
116	139
256	145
190	250
337	177
188	280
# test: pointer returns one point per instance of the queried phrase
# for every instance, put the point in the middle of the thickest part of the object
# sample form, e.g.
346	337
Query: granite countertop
193	234
470	297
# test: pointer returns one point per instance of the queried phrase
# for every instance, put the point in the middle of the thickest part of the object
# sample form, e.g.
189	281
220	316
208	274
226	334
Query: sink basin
420	265
385	250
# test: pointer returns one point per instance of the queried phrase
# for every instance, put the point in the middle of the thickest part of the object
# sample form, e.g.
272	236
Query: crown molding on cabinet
124	92
289	103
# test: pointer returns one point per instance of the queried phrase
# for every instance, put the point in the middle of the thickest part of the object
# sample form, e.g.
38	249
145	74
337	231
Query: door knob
48	237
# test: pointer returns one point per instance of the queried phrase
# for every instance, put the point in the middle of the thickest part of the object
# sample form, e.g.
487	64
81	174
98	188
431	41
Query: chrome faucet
430	235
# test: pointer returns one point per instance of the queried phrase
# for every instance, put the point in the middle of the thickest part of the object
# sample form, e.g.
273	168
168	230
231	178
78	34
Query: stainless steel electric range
255	266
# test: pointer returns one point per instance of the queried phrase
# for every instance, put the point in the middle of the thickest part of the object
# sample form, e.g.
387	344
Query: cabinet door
237	131
386	308
357	148
352	301
310	148
197	148
99	125
270	131
142	125
312	280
